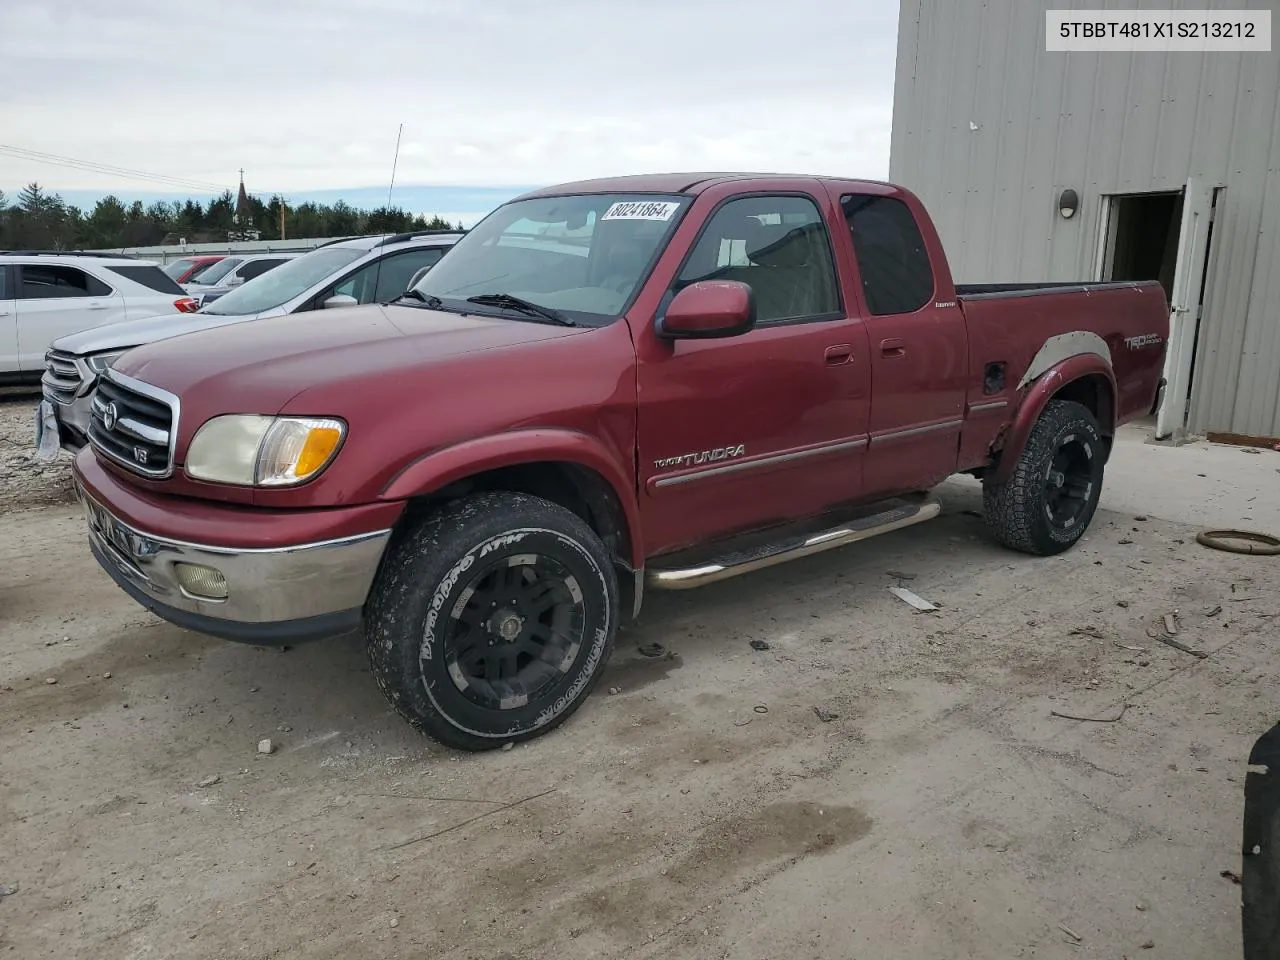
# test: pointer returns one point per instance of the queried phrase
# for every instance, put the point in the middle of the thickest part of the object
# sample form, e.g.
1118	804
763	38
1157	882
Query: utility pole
282	218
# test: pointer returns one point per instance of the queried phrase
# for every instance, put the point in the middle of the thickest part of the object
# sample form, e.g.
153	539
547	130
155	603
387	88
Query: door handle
838	354
893	348
97	306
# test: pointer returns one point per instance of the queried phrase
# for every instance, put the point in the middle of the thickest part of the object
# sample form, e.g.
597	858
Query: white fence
166	254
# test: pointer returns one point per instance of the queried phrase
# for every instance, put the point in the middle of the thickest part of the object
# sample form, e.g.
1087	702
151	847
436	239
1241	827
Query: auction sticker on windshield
641	210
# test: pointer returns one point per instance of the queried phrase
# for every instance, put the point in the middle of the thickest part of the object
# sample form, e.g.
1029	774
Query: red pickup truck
654	381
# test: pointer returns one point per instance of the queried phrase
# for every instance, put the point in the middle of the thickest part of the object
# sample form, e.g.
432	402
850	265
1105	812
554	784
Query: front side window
200	270
256	268
291	279
41	282
219	270
892	259
385	279
776	245
584	256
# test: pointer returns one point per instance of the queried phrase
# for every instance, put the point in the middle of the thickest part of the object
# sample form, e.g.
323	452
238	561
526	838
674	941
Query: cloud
308	94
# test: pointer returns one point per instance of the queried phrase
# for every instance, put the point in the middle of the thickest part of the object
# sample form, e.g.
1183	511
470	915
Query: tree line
38	220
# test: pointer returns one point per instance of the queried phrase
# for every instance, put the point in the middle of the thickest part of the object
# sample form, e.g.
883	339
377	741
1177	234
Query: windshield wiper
435	303
524	306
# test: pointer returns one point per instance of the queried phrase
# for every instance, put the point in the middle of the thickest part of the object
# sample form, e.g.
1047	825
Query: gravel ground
876	783
24	480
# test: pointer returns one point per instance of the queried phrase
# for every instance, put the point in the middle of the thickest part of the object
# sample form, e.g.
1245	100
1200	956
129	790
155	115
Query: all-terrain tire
1019	511
430	603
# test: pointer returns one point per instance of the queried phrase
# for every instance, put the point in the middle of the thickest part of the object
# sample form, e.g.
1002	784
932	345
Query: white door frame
1184	303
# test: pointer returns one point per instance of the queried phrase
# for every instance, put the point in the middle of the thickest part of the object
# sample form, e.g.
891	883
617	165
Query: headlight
255	451
101	361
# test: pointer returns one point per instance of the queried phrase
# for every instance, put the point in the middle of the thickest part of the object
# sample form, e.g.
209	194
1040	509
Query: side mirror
234	281
341	300
709	309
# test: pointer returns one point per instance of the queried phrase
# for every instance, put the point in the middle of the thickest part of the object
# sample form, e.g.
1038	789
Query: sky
495	96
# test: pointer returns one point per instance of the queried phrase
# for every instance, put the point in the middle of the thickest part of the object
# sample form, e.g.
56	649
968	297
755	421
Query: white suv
44	296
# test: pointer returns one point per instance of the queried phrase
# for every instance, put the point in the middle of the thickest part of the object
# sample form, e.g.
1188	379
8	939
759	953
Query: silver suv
341	273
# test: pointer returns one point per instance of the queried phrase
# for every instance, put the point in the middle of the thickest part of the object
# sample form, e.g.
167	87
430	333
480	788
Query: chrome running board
733	564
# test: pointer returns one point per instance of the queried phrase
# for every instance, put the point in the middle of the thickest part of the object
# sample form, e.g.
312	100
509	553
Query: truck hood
131	333
258	367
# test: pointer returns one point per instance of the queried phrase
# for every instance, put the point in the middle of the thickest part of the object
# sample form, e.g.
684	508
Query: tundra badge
703	456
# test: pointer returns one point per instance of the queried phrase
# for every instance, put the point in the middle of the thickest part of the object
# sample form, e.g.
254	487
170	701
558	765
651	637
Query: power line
23	153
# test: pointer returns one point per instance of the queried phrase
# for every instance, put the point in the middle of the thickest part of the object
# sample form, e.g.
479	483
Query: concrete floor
706	810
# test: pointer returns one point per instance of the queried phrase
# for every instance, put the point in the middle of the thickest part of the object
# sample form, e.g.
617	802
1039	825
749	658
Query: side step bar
732	564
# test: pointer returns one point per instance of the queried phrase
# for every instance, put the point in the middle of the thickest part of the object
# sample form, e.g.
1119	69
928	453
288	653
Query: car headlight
257	451
99	362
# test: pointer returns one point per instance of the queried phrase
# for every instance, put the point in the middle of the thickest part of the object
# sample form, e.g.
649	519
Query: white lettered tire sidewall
426	569
598	631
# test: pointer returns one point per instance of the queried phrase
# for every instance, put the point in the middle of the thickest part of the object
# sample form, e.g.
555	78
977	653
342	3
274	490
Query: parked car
45	295
338	274
655	382
188	269
231	272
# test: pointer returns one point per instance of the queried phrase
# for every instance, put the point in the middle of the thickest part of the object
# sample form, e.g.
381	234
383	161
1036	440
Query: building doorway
1141	238
1165	236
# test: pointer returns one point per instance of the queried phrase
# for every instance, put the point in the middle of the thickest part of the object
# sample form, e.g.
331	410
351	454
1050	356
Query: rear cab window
893	261
151	277
57	282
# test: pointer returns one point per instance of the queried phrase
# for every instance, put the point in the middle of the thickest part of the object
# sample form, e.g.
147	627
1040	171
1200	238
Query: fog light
205	583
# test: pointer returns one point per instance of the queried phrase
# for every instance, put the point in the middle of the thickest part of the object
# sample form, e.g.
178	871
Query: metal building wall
989	128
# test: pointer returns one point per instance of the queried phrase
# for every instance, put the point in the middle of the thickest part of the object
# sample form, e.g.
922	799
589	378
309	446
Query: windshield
584	256
219	270
176	269
281	284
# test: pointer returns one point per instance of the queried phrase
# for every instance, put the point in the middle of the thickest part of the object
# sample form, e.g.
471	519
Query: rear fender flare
447	465
1044	386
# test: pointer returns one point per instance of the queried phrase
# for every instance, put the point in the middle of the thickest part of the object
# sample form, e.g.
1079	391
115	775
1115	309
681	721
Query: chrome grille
62	380
134	425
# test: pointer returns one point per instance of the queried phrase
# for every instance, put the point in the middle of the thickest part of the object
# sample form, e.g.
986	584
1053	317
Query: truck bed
1130	317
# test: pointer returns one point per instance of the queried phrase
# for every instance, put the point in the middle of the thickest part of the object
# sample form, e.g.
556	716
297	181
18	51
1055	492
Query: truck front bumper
261	595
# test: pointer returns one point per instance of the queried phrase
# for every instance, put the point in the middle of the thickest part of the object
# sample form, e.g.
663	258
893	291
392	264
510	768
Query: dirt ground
935	809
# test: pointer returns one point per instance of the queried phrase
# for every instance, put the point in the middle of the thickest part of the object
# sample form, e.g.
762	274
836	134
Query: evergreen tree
38	219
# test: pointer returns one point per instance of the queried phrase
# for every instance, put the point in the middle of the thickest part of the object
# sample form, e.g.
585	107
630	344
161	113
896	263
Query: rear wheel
491	620
1048	502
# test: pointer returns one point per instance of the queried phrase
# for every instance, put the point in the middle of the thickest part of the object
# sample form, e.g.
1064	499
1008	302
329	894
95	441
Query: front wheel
1048	502
491	619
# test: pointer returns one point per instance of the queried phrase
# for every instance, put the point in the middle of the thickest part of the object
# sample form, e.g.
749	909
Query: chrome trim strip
917	431
768	461
140	431
990	405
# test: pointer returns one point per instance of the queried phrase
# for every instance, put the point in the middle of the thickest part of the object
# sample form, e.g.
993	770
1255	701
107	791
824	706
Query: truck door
919	348
764	427
8	322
